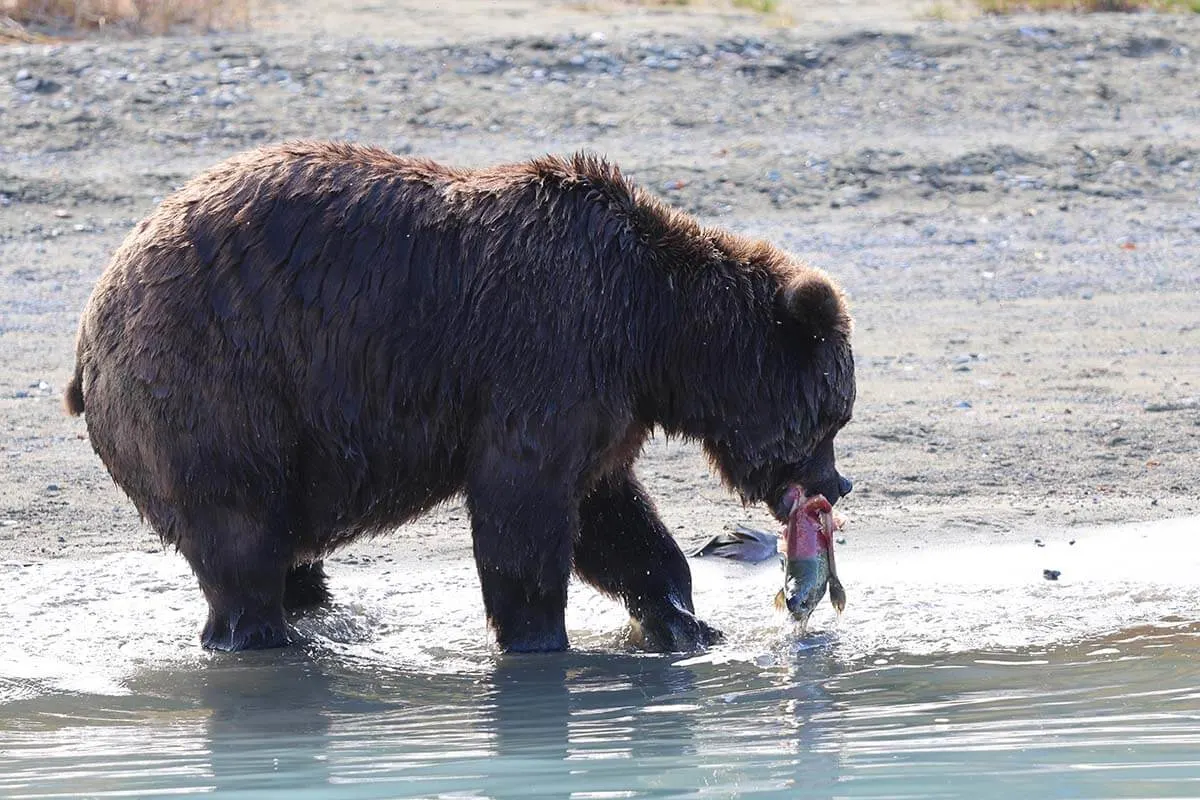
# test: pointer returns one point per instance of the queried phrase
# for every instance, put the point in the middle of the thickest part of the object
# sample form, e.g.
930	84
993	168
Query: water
952	672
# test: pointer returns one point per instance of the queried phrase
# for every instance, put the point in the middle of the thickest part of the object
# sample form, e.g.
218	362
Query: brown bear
315	341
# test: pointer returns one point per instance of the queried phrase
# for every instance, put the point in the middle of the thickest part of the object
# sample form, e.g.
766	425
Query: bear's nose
845	485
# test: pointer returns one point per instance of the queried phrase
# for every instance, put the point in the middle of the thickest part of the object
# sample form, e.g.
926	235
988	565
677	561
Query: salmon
808	564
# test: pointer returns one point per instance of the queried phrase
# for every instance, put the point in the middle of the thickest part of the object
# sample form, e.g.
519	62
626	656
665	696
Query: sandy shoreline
1012	205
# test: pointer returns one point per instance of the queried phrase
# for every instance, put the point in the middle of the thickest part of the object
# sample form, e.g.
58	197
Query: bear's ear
812	302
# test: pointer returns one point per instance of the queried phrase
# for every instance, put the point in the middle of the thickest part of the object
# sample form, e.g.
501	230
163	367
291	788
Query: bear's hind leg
241	565
625	551
522	540
306	587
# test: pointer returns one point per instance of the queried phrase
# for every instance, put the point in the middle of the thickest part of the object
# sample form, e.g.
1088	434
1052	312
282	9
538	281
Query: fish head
804	587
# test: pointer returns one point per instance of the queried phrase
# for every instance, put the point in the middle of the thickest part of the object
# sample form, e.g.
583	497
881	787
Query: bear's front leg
522	526
625	551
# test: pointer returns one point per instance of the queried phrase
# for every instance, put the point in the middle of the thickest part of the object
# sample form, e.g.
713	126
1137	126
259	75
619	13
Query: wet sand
1012	205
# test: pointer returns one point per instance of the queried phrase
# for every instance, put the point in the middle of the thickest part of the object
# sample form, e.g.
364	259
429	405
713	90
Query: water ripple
982	675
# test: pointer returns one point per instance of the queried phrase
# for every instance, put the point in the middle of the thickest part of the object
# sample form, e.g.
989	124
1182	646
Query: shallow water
952	671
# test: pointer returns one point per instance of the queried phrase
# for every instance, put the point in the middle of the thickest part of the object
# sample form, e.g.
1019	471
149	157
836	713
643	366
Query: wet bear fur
315	341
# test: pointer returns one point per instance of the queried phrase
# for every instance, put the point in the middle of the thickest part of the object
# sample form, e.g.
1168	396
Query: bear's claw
673	630
231	633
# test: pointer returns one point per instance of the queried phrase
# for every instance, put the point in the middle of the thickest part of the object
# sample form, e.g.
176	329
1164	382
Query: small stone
1039	542
1051	574
52	487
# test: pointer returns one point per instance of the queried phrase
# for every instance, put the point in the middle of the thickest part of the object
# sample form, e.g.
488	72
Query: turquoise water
985	681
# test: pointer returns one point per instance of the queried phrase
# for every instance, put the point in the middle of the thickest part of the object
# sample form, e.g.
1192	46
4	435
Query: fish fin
741	544
837	595
780	601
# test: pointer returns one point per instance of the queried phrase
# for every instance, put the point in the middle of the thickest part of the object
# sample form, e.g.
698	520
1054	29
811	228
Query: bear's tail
73	396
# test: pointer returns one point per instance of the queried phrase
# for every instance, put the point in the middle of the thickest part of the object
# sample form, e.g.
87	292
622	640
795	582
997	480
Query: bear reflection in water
546	726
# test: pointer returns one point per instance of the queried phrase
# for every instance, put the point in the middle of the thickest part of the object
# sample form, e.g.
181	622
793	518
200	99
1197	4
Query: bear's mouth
784	501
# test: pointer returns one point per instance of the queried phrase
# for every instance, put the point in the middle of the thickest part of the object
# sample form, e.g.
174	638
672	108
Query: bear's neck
709	346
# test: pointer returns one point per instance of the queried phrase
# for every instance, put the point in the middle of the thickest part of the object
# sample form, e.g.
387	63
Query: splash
88	626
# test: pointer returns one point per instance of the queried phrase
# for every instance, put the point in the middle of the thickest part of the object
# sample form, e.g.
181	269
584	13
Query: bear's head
794	399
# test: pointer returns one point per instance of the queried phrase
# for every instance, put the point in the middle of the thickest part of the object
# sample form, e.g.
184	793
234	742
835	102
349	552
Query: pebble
1051	574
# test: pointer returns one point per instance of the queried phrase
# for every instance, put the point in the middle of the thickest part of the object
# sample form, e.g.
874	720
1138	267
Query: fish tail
780	601
837	595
